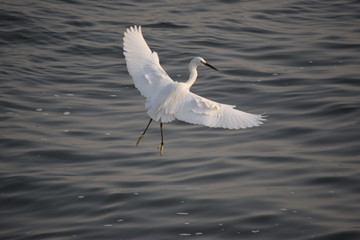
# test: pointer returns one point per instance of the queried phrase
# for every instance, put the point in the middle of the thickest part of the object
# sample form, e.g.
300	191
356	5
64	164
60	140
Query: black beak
206	64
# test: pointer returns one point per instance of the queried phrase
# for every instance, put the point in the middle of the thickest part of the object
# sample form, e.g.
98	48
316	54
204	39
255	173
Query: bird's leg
142	135
161	146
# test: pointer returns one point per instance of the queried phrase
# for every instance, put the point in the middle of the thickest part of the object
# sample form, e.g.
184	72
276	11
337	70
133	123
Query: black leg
142	135
161	146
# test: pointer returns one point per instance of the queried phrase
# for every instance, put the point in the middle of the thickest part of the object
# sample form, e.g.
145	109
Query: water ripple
71	116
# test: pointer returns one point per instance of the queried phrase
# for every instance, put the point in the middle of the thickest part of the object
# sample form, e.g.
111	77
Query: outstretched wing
198	110
143	64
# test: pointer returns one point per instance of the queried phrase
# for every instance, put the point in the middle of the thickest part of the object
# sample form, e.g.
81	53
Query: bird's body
167	100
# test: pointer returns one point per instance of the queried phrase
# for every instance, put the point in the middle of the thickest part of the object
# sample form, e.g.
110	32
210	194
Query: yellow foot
138	141
161	147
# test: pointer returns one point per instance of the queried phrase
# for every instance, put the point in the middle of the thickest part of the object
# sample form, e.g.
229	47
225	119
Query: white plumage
167	100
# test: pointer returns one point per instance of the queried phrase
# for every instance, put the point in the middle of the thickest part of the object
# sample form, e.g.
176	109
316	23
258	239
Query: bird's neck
192	77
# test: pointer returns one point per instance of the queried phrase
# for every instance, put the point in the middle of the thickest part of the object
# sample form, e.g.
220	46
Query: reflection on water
71	116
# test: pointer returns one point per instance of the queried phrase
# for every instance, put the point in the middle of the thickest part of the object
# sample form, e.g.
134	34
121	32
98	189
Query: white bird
167	100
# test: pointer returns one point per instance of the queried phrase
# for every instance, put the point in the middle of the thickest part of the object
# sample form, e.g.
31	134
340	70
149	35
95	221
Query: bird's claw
161	148
138	141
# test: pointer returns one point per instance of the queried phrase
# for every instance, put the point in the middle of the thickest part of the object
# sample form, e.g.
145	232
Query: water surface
70	117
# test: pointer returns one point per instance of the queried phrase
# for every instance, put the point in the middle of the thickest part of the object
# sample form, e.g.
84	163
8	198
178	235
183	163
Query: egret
167	100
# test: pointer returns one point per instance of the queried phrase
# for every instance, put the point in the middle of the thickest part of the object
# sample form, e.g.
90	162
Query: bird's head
198	61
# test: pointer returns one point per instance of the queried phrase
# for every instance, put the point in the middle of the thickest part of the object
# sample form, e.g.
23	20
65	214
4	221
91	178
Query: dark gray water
70	117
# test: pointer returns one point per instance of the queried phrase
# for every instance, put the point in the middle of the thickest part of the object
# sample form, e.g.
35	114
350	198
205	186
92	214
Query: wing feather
143	64
198	110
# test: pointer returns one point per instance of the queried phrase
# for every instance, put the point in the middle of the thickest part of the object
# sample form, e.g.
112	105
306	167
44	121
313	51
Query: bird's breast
167	102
